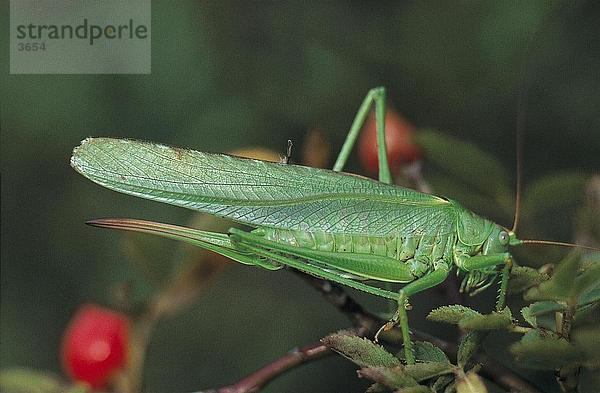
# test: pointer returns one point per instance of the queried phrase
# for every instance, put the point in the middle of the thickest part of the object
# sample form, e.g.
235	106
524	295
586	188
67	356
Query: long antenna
520	123
560	244
519	139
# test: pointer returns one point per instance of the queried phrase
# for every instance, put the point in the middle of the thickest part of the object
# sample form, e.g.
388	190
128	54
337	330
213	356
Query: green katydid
333	225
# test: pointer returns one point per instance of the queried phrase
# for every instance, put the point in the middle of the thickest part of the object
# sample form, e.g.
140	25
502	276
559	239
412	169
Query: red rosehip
401	148
94	346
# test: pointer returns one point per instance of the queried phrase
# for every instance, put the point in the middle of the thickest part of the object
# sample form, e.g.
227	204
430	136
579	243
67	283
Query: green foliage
433	371
556	190
493	321
427	352
565	318
468	347
587	340
451	314
361	351
488	176
524	277
469	167
392	377
470	319
560	285
544	352
428	370
533	312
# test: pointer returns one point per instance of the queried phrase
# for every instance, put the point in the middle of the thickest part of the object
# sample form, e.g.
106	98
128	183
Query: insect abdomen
420	249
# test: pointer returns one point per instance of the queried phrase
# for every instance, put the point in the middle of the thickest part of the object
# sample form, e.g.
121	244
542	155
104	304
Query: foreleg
482	261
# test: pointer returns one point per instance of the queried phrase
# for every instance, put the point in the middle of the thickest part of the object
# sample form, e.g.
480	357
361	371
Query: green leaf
451	314
493	321
588	280
554	191
449	187
535	310
427	352
560	286
589	297
523	277
587	316
474	167
361	351
428	370
470	383
442	382
468	347
392	377
544	353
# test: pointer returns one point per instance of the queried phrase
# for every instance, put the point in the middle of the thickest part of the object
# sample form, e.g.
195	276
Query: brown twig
296	357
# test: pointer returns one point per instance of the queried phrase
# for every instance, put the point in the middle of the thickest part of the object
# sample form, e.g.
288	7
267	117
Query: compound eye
503	237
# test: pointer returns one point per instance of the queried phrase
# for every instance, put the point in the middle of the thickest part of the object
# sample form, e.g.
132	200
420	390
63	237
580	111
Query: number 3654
31	46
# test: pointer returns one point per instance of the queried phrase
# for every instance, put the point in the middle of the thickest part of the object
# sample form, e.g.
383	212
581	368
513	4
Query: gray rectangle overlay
80	37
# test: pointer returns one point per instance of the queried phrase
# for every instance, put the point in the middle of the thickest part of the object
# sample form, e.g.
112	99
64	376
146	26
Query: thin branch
255	381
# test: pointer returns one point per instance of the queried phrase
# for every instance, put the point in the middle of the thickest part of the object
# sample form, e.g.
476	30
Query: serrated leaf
428	370
392	377
451	314
21	380
493	321
523	277
468	347
470	383
528	316
544	353
427	352
361	351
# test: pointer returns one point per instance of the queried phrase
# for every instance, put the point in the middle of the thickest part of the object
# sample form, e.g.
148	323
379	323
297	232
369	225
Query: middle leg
428	281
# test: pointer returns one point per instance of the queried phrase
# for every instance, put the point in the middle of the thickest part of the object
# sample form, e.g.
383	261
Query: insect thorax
420	252
477	235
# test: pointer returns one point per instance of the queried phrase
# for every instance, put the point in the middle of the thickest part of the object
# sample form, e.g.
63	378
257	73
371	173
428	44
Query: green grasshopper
332	225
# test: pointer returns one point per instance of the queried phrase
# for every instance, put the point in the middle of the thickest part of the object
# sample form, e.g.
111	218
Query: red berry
94	346
401	148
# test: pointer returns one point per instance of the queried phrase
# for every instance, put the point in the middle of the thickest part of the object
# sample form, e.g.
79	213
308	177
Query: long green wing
260	193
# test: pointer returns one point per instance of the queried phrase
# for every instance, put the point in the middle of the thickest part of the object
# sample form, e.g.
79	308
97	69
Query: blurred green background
231	74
